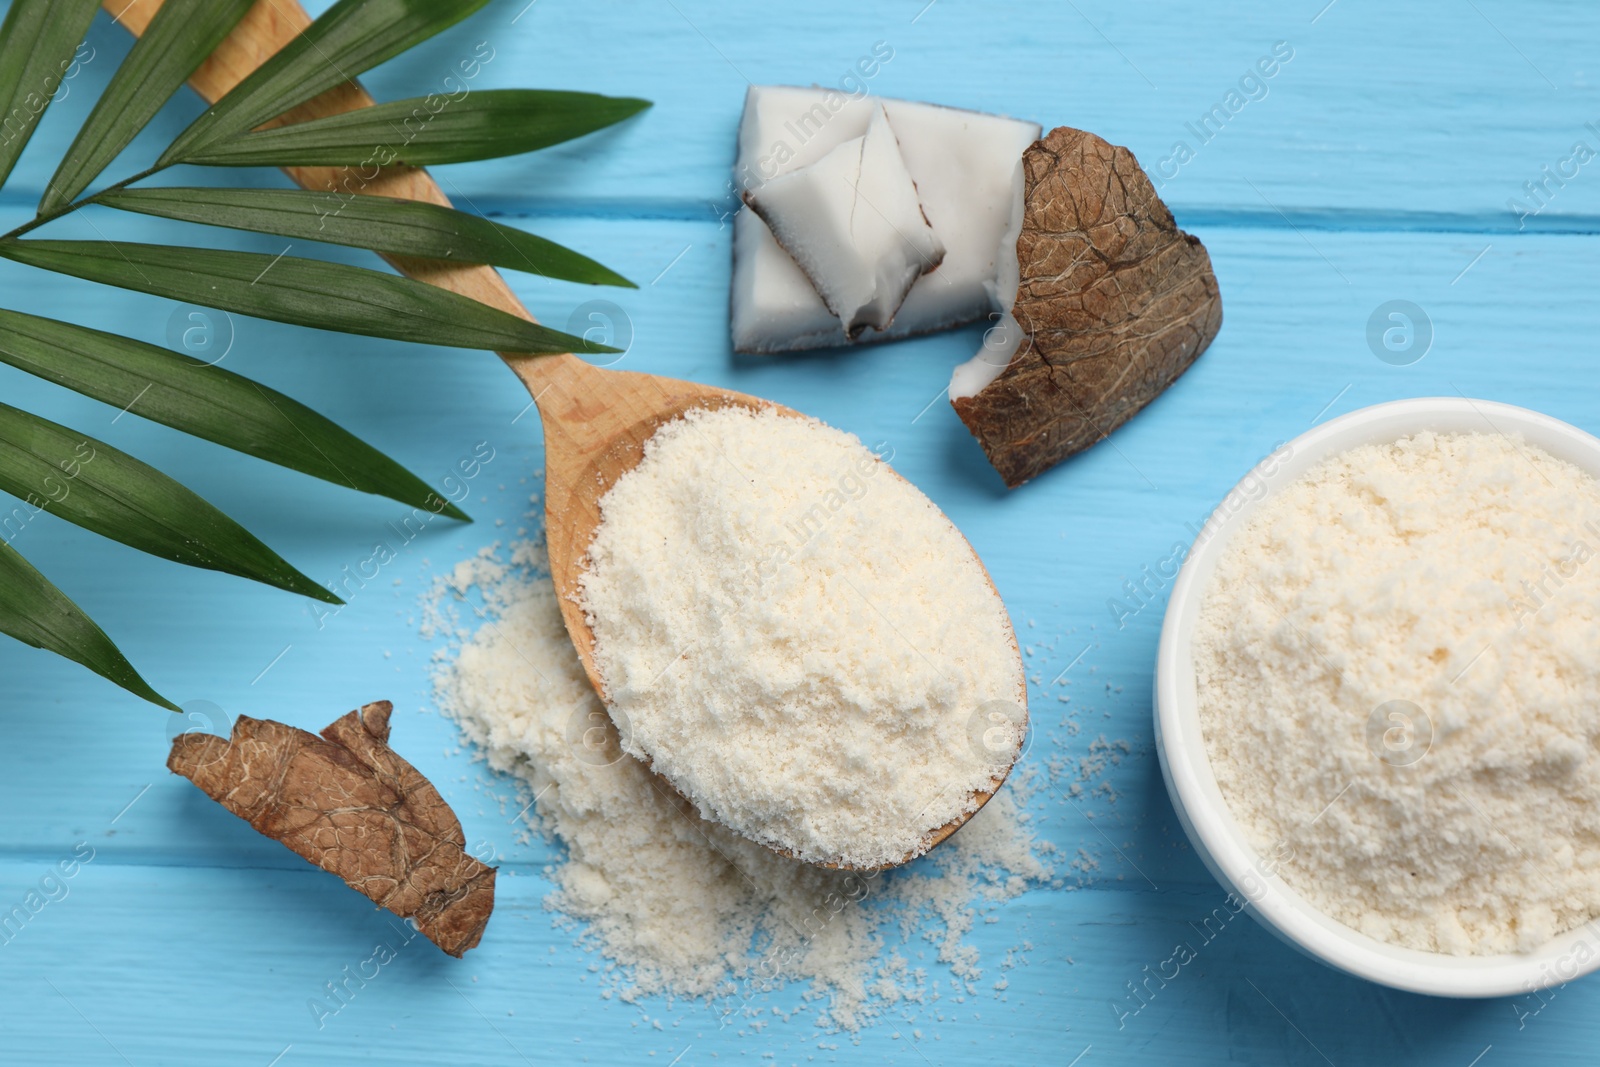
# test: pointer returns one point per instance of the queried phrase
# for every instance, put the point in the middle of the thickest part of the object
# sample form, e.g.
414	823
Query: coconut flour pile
686	908
1399	676
799	640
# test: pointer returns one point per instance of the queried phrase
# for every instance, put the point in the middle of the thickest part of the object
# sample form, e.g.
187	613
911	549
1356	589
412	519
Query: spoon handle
267	27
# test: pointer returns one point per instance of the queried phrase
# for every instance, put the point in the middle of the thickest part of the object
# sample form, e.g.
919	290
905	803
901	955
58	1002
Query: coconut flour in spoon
798	640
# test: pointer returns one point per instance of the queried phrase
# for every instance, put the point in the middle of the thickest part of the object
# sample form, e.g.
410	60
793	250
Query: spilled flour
683	906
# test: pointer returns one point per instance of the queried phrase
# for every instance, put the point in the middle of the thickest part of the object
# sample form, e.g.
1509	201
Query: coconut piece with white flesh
967	170
1106	304
852	222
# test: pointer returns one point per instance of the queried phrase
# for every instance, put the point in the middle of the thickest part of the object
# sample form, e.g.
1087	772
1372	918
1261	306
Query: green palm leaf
36	613
177	41
485	125
305	292
51	467
379	223
37	41
206	401
351	37
107	491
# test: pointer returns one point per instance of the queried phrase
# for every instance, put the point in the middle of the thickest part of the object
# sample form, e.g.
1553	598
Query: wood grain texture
1391	141
1429	114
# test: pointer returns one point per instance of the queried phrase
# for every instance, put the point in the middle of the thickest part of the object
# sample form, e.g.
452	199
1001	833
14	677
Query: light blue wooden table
1377	166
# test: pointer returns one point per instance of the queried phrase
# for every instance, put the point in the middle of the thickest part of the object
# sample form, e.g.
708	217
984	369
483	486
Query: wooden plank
174	966
1409	111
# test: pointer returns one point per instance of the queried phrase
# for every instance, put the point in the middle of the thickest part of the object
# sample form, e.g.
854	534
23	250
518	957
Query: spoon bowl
596	421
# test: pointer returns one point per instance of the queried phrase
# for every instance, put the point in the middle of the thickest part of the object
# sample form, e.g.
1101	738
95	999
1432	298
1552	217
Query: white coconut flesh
967	171
852	223
1000	341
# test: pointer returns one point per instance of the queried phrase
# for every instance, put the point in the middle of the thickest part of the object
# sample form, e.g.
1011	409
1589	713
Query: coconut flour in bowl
1398	672
799	640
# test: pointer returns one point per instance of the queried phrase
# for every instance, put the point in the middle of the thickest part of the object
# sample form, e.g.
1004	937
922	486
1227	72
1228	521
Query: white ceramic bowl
1204	814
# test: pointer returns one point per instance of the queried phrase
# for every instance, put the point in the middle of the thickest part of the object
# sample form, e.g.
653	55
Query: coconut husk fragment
1115	302
348	803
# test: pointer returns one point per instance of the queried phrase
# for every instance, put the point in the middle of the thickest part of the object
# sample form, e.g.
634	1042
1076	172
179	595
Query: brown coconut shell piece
1114	303
348	803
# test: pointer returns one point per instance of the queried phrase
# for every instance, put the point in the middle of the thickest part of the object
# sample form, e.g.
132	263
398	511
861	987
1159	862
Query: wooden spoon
595	421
